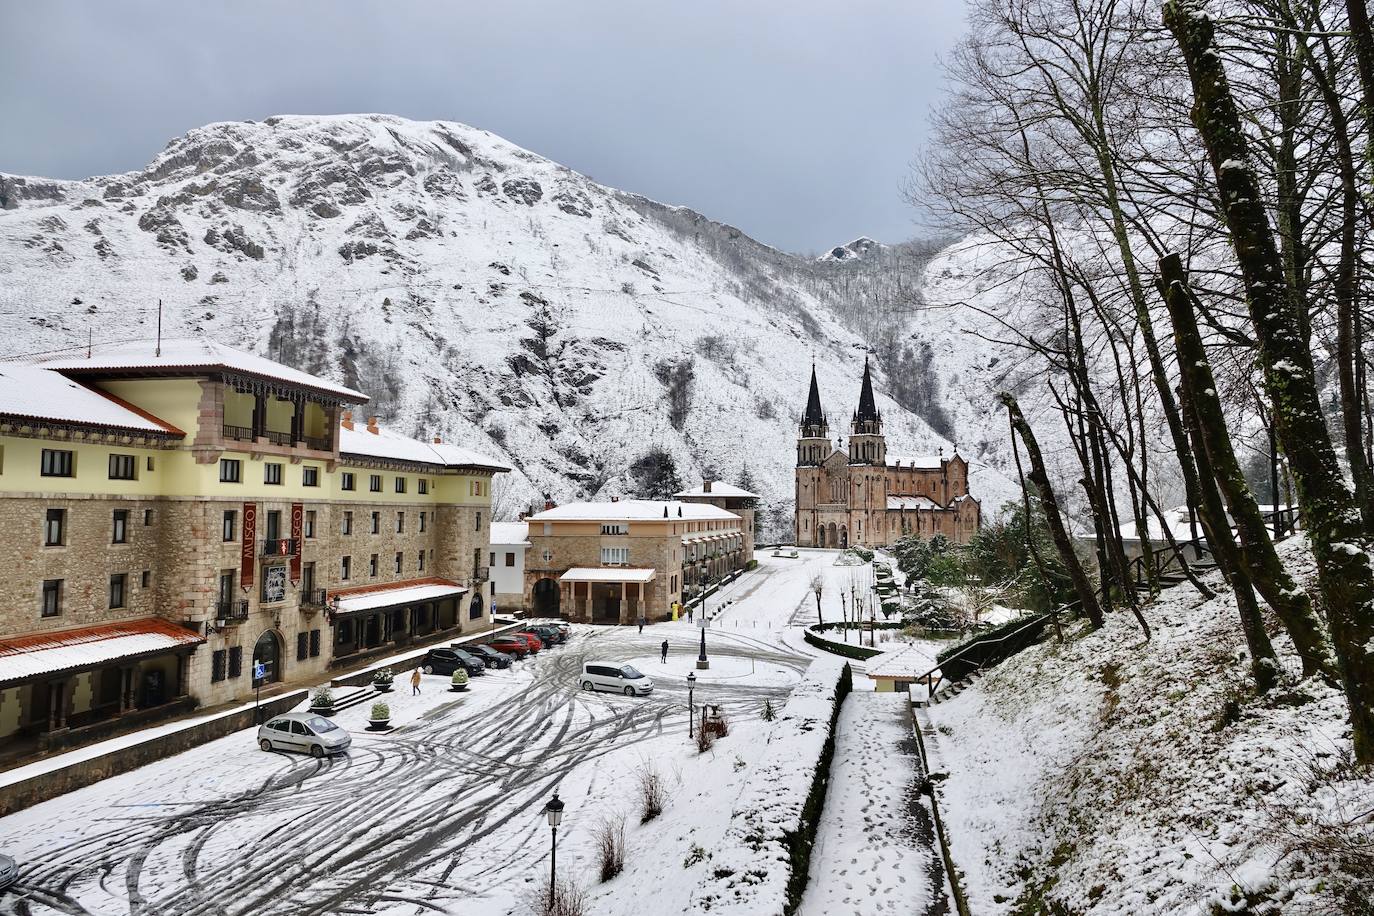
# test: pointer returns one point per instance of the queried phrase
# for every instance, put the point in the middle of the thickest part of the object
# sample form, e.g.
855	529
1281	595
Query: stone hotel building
177	518
613	562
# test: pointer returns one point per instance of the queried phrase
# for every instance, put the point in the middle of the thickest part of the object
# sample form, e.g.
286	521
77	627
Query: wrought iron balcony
313	598
280	547
318	443
234	610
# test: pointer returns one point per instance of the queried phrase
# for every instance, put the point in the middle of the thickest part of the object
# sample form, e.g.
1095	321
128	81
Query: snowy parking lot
442	814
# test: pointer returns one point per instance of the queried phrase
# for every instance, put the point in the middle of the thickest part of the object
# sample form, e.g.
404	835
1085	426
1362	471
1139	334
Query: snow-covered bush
610	846
652	791
321	697
380	711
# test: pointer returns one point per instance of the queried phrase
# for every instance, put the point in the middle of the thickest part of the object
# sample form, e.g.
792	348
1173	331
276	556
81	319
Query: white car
306	732
9	872
624	679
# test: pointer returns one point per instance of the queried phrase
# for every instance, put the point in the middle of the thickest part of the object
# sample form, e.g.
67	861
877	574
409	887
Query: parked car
305	732
9	871
447	661
557	628
624	679
564	629
509	645
532	642
492	658
549	636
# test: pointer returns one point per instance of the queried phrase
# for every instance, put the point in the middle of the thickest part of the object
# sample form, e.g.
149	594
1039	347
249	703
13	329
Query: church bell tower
867	444
813	438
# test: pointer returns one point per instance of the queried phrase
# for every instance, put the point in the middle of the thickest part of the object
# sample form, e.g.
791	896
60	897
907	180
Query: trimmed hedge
861	653
800	842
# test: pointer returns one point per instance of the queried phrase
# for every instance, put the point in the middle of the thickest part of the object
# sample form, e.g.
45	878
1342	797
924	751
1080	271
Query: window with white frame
615	556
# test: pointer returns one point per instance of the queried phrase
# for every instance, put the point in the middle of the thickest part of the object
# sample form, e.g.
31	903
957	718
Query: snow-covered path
875	852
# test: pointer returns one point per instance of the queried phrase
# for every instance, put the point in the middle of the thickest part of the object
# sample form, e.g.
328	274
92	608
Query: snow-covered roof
919	462
192	354
912	502
908	661
506	533
633	510
613	574
718	488
370	597
37	393
44	654
392	445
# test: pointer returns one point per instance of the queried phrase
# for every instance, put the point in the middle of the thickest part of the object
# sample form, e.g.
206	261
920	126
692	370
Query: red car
534	643
517	647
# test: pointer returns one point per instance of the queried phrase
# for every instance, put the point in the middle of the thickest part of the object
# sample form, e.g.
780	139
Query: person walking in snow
641	624
415	683
663	653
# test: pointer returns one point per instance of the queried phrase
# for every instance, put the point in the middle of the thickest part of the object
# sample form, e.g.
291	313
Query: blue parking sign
259	671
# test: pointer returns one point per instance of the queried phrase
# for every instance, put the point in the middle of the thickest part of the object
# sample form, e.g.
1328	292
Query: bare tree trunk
1264	663
1261	561
1347	307
1337	534
1038	476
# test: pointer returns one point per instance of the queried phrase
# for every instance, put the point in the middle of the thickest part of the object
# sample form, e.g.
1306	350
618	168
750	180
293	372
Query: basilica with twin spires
864	496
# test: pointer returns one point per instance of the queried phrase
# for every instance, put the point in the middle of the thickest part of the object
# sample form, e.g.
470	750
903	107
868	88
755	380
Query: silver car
9	871
306	732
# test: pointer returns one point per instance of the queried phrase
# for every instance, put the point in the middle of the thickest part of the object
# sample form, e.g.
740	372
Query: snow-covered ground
875	852
444	813
1110	776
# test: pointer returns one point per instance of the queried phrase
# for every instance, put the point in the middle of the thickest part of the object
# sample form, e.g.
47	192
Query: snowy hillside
472	288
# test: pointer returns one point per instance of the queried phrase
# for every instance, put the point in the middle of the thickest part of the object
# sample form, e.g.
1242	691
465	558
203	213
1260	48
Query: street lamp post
554	811
691	708
703	663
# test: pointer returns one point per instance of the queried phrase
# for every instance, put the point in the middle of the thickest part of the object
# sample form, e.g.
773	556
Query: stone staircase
949	692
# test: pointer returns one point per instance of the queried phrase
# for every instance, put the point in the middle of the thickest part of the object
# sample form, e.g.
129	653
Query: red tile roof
44	654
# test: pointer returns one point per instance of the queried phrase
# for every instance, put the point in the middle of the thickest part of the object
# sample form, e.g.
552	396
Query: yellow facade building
186	521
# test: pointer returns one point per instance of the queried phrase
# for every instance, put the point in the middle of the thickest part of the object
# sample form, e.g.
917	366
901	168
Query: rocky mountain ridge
474	290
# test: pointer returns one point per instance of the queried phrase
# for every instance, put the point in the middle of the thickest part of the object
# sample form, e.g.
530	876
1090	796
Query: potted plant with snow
378	720
460	681
381	680
322	701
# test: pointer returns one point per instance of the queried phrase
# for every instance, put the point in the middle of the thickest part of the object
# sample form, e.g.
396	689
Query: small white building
509	541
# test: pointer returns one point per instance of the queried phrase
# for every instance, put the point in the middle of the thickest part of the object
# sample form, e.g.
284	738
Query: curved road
442	809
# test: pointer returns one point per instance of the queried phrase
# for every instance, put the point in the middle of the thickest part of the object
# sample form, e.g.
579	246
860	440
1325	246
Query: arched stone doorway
834	536
475	607
545	598
844	537
820	535
267	652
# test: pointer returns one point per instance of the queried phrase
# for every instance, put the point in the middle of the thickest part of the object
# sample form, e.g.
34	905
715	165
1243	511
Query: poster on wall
249	545
273	584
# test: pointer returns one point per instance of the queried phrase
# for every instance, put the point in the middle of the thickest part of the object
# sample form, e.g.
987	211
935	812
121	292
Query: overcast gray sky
795	120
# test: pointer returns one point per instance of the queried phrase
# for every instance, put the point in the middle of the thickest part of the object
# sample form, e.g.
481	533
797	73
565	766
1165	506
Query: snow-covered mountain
858	250
473	289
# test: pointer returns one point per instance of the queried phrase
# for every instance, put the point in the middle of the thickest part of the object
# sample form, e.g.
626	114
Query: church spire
868	410
814	416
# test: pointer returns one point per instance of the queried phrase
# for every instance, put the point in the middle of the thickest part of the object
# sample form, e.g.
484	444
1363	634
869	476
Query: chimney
548	502
615	499
706	486
372	426
347	421
438	440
